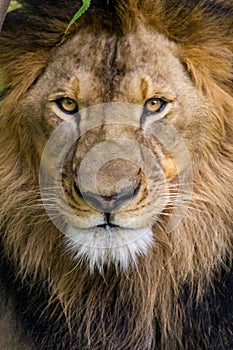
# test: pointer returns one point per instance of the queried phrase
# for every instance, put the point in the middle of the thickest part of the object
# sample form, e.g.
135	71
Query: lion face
116	177
119	117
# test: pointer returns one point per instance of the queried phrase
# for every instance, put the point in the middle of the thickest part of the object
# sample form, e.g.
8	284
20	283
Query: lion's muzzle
116	183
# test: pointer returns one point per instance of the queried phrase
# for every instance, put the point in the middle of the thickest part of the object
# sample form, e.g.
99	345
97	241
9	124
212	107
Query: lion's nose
111	202
116	183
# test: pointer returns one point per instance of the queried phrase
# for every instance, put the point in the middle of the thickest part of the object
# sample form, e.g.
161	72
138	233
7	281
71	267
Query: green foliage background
13	5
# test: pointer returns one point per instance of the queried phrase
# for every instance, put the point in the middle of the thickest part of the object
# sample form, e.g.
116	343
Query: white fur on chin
113	245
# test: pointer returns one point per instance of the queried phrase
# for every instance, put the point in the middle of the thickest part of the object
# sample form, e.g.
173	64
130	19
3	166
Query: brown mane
193	255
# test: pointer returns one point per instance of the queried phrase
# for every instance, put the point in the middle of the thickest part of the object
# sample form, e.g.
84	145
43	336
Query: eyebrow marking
144	88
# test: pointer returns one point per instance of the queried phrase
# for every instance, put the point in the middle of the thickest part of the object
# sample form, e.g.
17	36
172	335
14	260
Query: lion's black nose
111	202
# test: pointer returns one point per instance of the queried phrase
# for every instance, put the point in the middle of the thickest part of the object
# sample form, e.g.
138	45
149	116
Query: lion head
116	177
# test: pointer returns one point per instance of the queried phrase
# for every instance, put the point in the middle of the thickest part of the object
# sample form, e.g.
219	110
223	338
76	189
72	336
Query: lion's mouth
108	227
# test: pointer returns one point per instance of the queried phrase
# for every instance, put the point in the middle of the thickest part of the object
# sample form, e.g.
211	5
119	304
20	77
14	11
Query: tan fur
191	254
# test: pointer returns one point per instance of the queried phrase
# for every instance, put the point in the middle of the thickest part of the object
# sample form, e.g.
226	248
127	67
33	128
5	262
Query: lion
116	175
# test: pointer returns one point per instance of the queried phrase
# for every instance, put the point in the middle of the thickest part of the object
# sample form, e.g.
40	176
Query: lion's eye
67	105
155	105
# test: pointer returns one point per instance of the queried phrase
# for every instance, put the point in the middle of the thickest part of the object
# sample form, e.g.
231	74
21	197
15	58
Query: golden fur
195	251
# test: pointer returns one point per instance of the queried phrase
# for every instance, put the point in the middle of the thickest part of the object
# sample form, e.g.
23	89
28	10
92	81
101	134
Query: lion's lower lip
107	226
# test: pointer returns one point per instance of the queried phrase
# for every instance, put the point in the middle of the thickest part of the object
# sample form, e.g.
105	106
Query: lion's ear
25	53
22	69
210	67
19	72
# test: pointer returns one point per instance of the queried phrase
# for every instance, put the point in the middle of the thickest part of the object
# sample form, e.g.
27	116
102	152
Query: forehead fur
40	26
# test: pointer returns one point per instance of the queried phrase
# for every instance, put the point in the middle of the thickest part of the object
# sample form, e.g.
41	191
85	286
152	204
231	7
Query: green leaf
86	4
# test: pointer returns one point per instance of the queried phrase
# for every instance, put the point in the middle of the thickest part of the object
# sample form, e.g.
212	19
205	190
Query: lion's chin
103	247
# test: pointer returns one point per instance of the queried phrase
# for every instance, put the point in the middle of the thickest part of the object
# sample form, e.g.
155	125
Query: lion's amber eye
155	105
67	105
